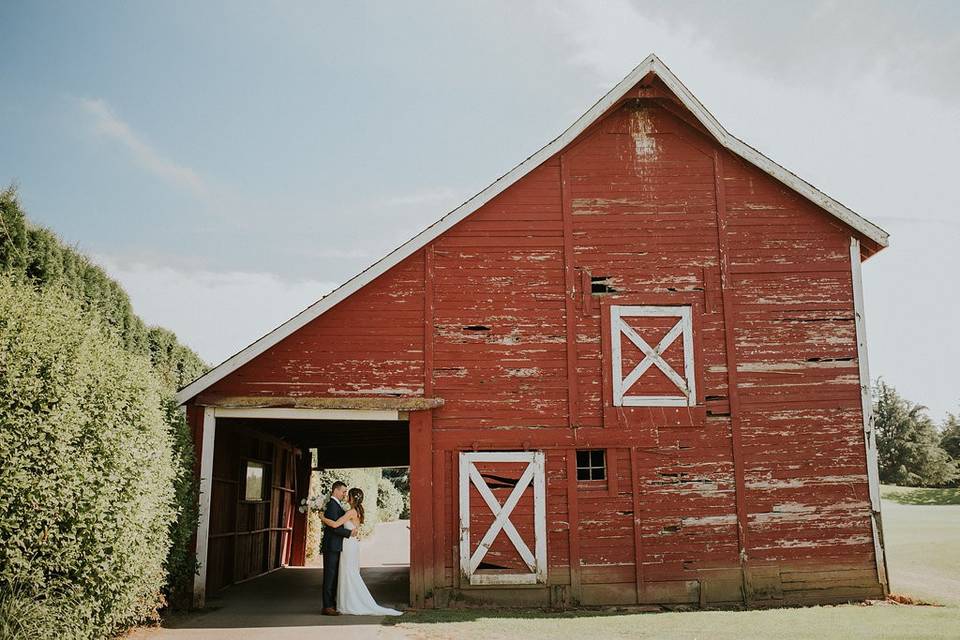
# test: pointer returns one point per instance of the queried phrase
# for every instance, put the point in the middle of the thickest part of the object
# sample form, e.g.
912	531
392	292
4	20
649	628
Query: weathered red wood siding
757	493
370	345
796	353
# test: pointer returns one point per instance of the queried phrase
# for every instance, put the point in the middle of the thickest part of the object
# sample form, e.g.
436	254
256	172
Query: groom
332	544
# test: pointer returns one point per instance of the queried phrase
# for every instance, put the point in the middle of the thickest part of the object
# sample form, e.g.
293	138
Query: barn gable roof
651	65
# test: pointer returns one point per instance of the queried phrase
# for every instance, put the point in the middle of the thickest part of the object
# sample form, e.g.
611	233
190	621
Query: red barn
631	370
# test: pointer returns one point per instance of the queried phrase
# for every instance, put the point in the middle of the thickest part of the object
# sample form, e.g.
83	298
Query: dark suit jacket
332	539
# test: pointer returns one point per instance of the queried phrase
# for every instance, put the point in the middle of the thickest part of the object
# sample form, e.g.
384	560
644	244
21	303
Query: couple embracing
343	589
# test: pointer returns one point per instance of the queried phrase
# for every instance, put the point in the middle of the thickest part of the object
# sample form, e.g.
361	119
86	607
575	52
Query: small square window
591	465
254	482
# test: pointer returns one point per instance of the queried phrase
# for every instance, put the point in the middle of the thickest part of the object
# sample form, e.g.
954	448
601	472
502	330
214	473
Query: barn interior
261	472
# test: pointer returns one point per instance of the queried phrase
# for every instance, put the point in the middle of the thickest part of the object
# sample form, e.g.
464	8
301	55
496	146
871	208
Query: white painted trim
651	64
497	579
203	522
501	515
307	414
533	475
502	522
866	404
621	384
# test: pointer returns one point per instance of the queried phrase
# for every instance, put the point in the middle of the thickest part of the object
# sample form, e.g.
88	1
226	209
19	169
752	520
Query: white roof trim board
651	64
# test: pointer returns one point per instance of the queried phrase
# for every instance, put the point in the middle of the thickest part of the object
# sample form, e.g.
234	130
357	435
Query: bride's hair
355	496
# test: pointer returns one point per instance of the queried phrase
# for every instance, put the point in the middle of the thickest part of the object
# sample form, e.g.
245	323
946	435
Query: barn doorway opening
265	467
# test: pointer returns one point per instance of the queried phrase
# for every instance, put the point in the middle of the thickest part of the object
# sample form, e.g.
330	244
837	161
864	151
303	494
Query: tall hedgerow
37	256
87	474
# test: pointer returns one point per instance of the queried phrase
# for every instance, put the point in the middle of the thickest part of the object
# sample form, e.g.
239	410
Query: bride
353	597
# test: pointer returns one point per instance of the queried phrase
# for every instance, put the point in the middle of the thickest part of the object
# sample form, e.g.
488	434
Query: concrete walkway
285	604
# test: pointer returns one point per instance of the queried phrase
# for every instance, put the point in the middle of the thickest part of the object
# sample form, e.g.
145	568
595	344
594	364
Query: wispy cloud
215	312
111	125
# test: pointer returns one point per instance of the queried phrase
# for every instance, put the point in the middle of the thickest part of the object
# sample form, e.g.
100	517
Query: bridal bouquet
310	504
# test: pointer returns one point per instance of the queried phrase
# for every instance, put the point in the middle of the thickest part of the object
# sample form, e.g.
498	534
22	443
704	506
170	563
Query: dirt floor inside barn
922	528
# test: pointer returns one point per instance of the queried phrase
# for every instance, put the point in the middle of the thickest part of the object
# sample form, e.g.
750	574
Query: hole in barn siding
499	482
709	398
670	528
601	284
476	327
818	359
489	565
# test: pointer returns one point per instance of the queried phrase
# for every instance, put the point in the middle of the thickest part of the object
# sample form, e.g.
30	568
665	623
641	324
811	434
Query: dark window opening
591	465
601	284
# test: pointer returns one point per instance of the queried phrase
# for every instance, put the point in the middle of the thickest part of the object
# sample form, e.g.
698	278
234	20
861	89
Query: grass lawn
922	536
922	531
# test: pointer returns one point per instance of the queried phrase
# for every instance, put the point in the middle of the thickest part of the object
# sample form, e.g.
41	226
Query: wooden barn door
503	531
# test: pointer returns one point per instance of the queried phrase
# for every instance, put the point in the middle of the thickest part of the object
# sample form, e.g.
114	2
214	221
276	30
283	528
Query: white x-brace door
533	474
682	329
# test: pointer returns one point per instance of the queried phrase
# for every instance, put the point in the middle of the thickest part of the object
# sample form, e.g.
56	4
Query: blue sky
231	162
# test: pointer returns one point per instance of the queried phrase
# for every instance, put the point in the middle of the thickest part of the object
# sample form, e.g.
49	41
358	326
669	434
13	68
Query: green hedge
88	476
37	256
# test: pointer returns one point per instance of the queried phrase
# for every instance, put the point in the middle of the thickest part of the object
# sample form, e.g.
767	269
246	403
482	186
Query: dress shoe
330	611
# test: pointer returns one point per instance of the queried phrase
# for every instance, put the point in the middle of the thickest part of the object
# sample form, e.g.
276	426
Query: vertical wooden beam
421	508
637	531
463	491
539	484
428	320
455	519
613	481
208	436
866	405
730	344
441	532
298	554
573	516
436	470
569	284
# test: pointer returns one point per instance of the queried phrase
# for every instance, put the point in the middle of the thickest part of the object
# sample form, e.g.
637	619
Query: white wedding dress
353	597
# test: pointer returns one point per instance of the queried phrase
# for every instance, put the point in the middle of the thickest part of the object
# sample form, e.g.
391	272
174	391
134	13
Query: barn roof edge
650	64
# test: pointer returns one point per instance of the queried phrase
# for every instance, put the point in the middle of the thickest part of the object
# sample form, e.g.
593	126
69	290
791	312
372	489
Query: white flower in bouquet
309	504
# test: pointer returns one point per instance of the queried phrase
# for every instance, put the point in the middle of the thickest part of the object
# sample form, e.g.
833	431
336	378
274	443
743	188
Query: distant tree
908	443
950	436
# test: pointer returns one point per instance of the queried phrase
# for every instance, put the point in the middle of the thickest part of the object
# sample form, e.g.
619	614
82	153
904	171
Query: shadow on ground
290	597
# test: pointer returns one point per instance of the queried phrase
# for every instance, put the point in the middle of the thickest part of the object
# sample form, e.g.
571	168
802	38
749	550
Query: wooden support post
440	532
304	464
730	342
454	520
573	516
569	304
206	486
421	509
866	405
428	321
637	530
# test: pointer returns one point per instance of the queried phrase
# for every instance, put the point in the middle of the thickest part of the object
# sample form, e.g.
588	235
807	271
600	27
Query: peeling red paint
757	491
